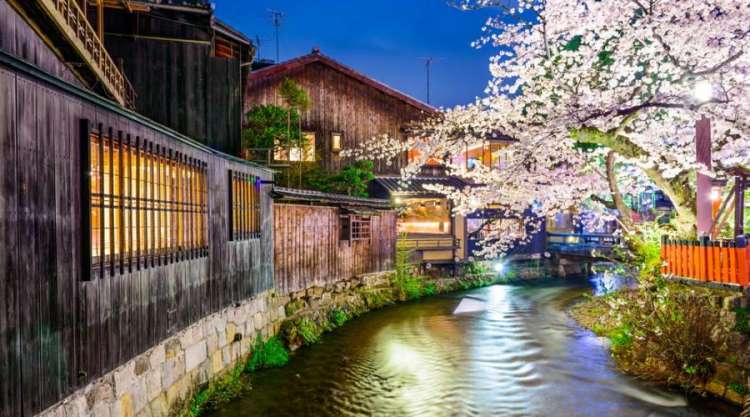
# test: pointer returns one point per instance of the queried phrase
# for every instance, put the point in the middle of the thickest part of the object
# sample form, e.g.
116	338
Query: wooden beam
100	19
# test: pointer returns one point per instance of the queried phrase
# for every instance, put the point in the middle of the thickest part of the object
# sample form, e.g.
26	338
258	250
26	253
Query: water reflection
496	351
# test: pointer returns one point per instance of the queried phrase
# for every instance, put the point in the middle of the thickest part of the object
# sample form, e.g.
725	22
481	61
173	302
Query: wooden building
186	66
347	107
115	231
321	238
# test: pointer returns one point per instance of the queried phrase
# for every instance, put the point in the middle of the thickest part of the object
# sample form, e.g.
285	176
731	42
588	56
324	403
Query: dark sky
384	39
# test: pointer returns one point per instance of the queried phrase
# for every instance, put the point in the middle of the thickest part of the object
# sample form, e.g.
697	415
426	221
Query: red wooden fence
724	261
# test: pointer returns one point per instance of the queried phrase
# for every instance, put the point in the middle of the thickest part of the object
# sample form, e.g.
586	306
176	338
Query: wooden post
100	19
739	206
703	192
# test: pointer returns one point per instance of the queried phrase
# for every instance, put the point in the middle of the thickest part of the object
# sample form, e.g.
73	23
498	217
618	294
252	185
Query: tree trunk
677	189
626	215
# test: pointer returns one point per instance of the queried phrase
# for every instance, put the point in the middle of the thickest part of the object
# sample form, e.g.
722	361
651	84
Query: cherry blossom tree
599	93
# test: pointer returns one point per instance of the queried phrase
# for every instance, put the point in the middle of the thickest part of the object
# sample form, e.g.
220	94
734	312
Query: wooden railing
429	243
582	239
72	22
718	261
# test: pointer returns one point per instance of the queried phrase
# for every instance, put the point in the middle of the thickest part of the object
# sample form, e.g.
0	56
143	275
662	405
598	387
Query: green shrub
309	330
739	388
269	354
743	321
475	268
338	317
429	289
216	393
621	337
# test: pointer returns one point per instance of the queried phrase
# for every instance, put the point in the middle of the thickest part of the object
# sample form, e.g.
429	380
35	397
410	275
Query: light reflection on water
514	352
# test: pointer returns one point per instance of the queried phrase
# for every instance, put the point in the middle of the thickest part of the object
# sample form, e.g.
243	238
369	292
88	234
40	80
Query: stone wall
161	379
159	382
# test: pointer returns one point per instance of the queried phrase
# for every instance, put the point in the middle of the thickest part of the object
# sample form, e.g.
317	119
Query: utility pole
276	17
428	61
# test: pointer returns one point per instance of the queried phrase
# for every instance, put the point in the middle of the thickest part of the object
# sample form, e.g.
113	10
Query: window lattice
245	206
148	204
360	226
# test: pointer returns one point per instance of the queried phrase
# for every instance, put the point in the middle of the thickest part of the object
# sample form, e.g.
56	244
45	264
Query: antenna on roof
258	42
428	61
276	17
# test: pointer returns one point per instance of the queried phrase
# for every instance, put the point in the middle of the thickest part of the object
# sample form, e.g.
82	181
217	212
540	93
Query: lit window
425	216
336	142
305	153
148	204
244	195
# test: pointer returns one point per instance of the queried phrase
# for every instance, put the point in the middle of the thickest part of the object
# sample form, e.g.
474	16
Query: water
495	351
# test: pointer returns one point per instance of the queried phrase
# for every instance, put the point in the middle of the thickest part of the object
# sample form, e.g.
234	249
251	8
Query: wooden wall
341	104
167	58
308	252
57	331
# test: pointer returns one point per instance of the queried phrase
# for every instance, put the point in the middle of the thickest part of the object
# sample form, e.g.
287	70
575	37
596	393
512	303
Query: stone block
102	409
125	407
76	406
259	321
142	365
157	356
172	370
153	384
159	406
195	355
716	388
217	362
212	343
124	377
172	348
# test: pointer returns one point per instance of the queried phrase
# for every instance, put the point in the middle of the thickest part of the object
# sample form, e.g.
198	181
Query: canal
496	351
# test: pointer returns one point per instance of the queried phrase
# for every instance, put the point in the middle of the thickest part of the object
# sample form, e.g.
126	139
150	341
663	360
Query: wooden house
186	66
116	232
347	107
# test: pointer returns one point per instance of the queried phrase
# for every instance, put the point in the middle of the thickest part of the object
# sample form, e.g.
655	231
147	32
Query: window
244	198
425	216
336	142
355	227
148	204
304	153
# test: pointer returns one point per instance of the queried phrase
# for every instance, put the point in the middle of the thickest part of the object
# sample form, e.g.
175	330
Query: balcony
429	243
76	32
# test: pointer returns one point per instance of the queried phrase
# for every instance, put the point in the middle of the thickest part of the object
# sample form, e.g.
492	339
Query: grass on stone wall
268	354
743	321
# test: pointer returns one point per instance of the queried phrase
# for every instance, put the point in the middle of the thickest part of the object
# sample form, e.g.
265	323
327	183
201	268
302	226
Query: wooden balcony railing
429	243
72	22
718	261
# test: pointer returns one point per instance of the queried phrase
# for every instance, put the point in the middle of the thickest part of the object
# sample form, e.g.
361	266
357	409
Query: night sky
383	39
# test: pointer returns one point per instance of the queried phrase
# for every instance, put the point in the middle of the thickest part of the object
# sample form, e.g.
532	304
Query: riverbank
304	316
678	335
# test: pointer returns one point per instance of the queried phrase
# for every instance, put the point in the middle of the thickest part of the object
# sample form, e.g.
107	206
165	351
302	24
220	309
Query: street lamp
703	91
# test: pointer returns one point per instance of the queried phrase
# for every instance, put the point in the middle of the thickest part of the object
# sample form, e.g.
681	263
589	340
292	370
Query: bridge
582	245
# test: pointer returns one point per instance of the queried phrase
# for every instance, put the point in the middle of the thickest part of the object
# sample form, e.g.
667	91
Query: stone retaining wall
161	380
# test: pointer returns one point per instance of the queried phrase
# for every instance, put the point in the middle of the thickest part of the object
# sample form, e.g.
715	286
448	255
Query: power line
276	17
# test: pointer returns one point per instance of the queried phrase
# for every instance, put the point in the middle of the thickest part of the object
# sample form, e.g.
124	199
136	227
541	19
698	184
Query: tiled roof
415	186
293	194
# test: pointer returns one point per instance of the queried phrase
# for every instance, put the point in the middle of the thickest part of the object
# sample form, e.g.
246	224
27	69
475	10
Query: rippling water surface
495	351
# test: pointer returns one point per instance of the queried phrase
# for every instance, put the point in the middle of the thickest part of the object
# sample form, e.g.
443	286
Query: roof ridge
317	56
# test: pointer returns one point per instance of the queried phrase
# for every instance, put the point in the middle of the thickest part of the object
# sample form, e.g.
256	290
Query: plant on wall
351	180
297	101
266	127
